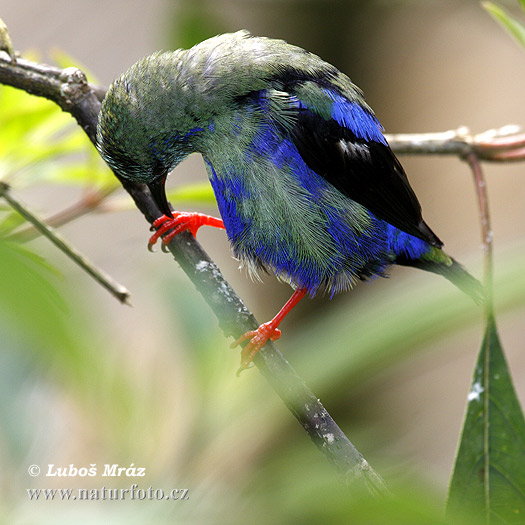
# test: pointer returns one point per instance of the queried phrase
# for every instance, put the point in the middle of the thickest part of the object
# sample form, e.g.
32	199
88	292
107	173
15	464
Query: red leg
258	338
181	221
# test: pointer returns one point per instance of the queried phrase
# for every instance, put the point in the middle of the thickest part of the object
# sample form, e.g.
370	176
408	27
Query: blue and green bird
305	181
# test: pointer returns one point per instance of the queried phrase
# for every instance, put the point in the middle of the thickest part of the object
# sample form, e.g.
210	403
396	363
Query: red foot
181	221
258	338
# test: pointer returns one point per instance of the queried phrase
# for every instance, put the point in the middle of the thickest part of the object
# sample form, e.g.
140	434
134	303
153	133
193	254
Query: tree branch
116	289
91	201
486	234
495	145
70	90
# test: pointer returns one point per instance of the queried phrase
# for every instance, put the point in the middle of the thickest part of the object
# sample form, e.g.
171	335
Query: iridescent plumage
305	181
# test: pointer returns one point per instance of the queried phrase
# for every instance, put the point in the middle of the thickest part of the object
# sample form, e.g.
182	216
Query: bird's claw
164	224
160	226
180	222
258	338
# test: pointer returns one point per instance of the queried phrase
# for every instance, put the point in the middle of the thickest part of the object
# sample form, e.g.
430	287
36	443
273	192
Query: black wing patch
366	171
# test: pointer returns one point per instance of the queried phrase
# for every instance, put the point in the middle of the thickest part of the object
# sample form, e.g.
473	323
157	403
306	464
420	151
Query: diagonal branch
70	90
91	201
116	289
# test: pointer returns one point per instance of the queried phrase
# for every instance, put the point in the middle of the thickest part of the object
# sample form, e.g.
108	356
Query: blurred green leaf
412	505
200	192
192	193
39	142
10	221
512	26
194	22
27	289
489	474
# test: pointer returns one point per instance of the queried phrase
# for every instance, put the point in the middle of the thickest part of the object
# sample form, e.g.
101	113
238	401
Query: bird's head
143	128
171	104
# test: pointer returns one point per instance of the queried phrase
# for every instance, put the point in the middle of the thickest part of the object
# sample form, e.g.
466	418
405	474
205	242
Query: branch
102	278
91	201
486	234
495	145
70	90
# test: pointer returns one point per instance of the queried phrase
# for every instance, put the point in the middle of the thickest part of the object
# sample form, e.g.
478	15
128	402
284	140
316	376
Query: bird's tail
439	262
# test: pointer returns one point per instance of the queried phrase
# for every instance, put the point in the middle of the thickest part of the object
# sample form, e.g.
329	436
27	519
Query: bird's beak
158	192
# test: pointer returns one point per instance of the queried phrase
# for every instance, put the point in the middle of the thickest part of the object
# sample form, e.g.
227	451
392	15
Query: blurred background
85	380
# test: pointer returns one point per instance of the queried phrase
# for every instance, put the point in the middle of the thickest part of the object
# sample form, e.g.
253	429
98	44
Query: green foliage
27	280
489	475
39	143
510	24
192	23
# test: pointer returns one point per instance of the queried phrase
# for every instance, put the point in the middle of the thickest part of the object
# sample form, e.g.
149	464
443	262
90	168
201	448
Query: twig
496	145
101	277
88	203
70	90
486	232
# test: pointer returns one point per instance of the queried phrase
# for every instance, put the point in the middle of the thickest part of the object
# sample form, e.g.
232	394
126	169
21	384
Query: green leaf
39	143
199	192
512	26
489	474
193	22
9	221
28	295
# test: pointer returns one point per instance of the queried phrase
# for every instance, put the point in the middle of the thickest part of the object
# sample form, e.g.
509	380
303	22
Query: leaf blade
489	473
512	26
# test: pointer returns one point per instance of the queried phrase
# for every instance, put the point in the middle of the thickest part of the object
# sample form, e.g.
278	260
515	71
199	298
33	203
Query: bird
306	183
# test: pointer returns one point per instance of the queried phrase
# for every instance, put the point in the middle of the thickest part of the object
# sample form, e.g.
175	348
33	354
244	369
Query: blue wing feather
353	116
349	150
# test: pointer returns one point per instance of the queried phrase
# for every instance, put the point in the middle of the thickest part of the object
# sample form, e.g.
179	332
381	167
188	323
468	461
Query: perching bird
306	184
